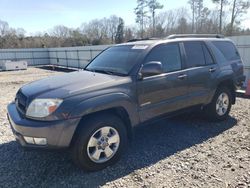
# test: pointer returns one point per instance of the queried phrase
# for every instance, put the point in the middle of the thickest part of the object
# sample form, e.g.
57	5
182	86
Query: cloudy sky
39	16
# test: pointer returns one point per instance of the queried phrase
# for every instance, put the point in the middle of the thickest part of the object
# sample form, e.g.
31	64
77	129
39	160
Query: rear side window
208	57
194	54
228	50
168	55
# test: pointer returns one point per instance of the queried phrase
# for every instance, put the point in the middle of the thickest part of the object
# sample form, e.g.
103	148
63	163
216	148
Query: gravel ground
179	152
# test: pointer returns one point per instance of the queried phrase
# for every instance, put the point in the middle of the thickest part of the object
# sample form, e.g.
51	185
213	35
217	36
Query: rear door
202	71
163	93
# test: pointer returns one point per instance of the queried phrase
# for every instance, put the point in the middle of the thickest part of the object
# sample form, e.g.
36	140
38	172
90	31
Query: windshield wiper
110	72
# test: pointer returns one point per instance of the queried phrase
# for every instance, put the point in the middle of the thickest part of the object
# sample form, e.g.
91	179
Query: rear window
228	50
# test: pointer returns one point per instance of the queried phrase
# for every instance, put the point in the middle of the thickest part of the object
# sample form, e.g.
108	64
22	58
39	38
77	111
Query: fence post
77	51
57	59
15	55
66	58
33	58
91	55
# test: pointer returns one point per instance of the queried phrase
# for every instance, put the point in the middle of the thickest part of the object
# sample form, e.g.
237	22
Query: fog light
29	140
40	141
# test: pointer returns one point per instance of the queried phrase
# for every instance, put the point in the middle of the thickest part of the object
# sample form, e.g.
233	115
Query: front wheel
220	106
100	142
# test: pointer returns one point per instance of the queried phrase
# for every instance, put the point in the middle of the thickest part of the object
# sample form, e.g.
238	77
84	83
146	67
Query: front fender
105	102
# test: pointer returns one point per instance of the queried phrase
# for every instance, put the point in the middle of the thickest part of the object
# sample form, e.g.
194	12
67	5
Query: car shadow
151	144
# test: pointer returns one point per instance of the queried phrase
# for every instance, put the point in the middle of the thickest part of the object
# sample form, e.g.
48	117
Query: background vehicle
93	112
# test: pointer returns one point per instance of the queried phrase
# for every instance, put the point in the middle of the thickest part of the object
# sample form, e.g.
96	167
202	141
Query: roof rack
142	39
195	36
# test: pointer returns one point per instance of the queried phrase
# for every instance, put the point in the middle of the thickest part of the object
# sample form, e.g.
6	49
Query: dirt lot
180	152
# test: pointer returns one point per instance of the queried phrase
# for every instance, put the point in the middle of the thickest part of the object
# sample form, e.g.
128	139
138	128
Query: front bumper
58	133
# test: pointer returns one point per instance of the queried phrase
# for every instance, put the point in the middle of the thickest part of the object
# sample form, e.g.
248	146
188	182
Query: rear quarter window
228	50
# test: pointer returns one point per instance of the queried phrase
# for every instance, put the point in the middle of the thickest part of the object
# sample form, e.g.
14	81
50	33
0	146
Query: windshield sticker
140	47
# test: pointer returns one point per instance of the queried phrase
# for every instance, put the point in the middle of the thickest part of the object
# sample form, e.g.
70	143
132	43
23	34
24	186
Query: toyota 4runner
93	112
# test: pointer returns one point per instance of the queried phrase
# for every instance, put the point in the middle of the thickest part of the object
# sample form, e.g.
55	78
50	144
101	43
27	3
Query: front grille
21	100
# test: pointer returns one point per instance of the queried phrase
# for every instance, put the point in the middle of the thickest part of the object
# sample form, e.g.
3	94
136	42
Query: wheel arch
118	111
228	83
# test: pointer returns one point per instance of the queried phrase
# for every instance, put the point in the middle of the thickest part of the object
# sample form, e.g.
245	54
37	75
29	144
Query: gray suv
93	112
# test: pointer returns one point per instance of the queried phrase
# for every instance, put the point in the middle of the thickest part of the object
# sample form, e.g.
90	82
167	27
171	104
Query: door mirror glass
151	68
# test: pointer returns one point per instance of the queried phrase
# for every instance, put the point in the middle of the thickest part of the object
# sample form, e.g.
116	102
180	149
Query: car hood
70	84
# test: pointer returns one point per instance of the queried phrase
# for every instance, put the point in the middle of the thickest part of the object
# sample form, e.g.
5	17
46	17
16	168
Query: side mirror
151	68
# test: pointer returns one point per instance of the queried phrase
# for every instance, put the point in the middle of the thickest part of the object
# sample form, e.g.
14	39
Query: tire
89	145
218	110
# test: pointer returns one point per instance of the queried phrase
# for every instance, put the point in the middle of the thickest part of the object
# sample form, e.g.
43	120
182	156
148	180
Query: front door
163	93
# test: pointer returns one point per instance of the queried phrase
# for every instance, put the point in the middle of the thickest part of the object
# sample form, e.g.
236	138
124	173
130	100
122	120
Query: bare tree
193	8
4	28
141	14
167	20
239	7
198	14
113	23
222	4
199	10
153	6
206	21
119	37
129	33
20	32
182	26
96	31
60	31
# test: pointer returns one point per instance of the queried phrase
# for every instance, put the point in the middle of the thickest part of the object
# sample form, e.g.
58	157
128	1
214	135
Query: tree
192	4
20	32
60	31
204	21
96	31
199	13
113	22
141	14
153	6
222	4
128	34
182	26
199	10
119	38
239	7
4	28
167	20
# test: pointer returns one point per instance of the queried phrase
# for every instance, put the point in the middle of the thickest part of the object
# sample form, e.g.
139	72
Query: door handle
182	76
212	69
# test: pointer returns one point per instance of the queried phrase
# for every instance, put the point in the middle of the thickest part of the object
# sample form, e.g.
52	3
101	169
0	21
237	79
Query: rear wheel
100	142
220	106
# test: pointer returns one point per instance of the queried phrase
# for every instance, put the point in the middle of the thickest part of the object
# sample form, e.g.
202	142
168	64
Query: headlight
39	108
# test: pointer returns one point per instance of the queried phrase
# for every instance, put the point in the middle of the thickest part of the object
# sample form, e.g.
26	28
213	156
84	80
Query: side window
168	55
194	53
208	57
227	49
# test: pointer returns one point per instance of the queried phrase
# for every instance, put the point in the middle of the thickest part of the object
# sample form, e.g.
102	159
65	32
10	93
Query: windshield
116	60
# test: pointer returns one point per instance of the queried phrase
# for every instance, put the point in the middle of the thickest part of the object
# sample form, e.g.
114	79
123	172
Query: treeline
225	19
151	22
